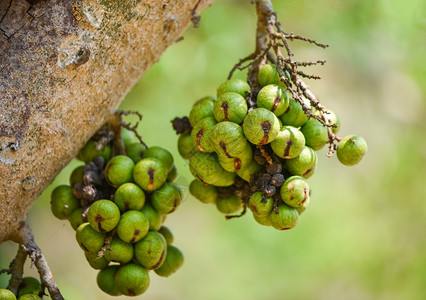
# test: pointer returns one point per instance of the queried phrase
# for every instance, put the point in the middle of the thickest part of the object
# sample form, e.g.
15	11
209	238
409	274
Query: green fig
151	251
103	215
150	174
228	139
268	74
204	193
167	234
289	142
234	85
234	164
261	126
132	280
231	107
119	170
106	280
89	239
186	146
294	114
200	134
119	251
273	98
332	118
167	198
153	216
90	151
128	137
229	205
304	165
301	209
173	174
95	261
295	191
351	149
316	134
265	220
161	154
29	297
285	219
63	202
136	151
6	294
129	196
76	218
174	260
246	172
206	168
76	176
29	285
203	108
133	226
260	205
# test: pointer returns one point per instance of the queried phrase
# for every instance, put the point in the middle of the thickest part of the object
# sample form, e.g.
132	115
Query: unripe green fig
304	165
206	168
228	139
200	134
301	209
29	285
229	205
151	251
153	216
185	145
119	251
231	107
174	260
161	154
294	114
132	280
234	85
150	174
273	98
76	176
128	137
289	142
316	134
76	218
6	294
332	118
103	215
63	202
29	297
351	149
261	126
173	174
246	172
204	193
260	205
167	234
167	198
95	261
133	226
89	239
285	219
119	170
136	151
90	151
265	220
129	196
234	164
268	74
106	280
295	191
203	108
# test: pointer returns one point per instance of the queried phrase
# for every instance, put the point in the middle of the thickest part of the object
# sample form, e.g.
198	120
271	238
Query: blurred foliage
363	235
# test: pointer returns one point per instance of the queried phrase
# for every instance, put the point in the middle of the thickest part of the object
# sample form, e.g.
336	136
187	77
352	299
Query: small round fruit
76	218
229	205
200	135
151	251
129	196
260	206
161	154
6	294
29	285
128	137
285	219
90	151
316	134
167	234
289	142
132	280
295	191
133	226
136	151
234	85
234	164
76	176
261	126
153	216
174	260
301	209
173	174
63	202
268	74
150	174
89	239
95	261
231	107
206	168
228	139
246	172
119	170
273	98
204	193
185	145
103	215
119	251
294	115
304	165
351	149
203	108
332	118
106	280
29	297
265	221
167	198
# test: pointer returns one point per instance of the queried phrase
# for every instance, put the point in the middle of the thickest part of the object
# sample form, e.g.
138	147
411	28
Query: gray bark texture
65	66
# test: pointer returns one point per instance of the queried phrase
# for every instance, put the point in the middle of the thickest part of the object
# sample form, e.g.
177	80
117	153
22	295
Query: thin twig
16	269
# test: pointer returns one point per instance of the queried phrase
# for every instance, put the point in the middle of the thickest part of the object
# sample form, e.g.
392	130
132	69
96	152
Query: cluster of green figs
229	129
29	289
117	206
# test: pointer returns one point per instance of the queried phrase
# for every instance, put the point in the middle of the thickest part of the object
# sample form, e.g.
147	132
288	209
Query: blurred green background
364	234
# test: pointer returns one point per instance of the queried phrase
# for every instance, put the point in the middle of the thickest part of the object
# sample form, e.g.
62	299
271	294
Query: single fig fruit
153	216
89	239
128	137
6	294
203	108
161	154
289	142
200	135
204	193
273	98
119	251
119	170
95	261
261	126
246	172
90	151
268	74
29	285
351	149
63	202
174	260
76	176
167	234
294	114
151	251
316	134
103	215
301	209
76	218
173	174
234	85
167	198
234	164
304	165
132	280
150	174
285	219
260	205
228	139
332	118
133	226
136	151
206	168
106	280
129	196
231	107
295	191
186	146
229	205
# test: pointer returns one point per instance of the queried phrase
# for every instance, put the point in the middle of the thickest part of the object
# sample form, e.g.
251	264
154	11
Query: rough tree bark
64	68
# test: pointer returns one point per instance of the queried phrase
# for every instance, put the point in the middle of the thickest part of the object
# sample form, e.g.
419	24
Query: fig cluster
255	148
29	289
117	205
